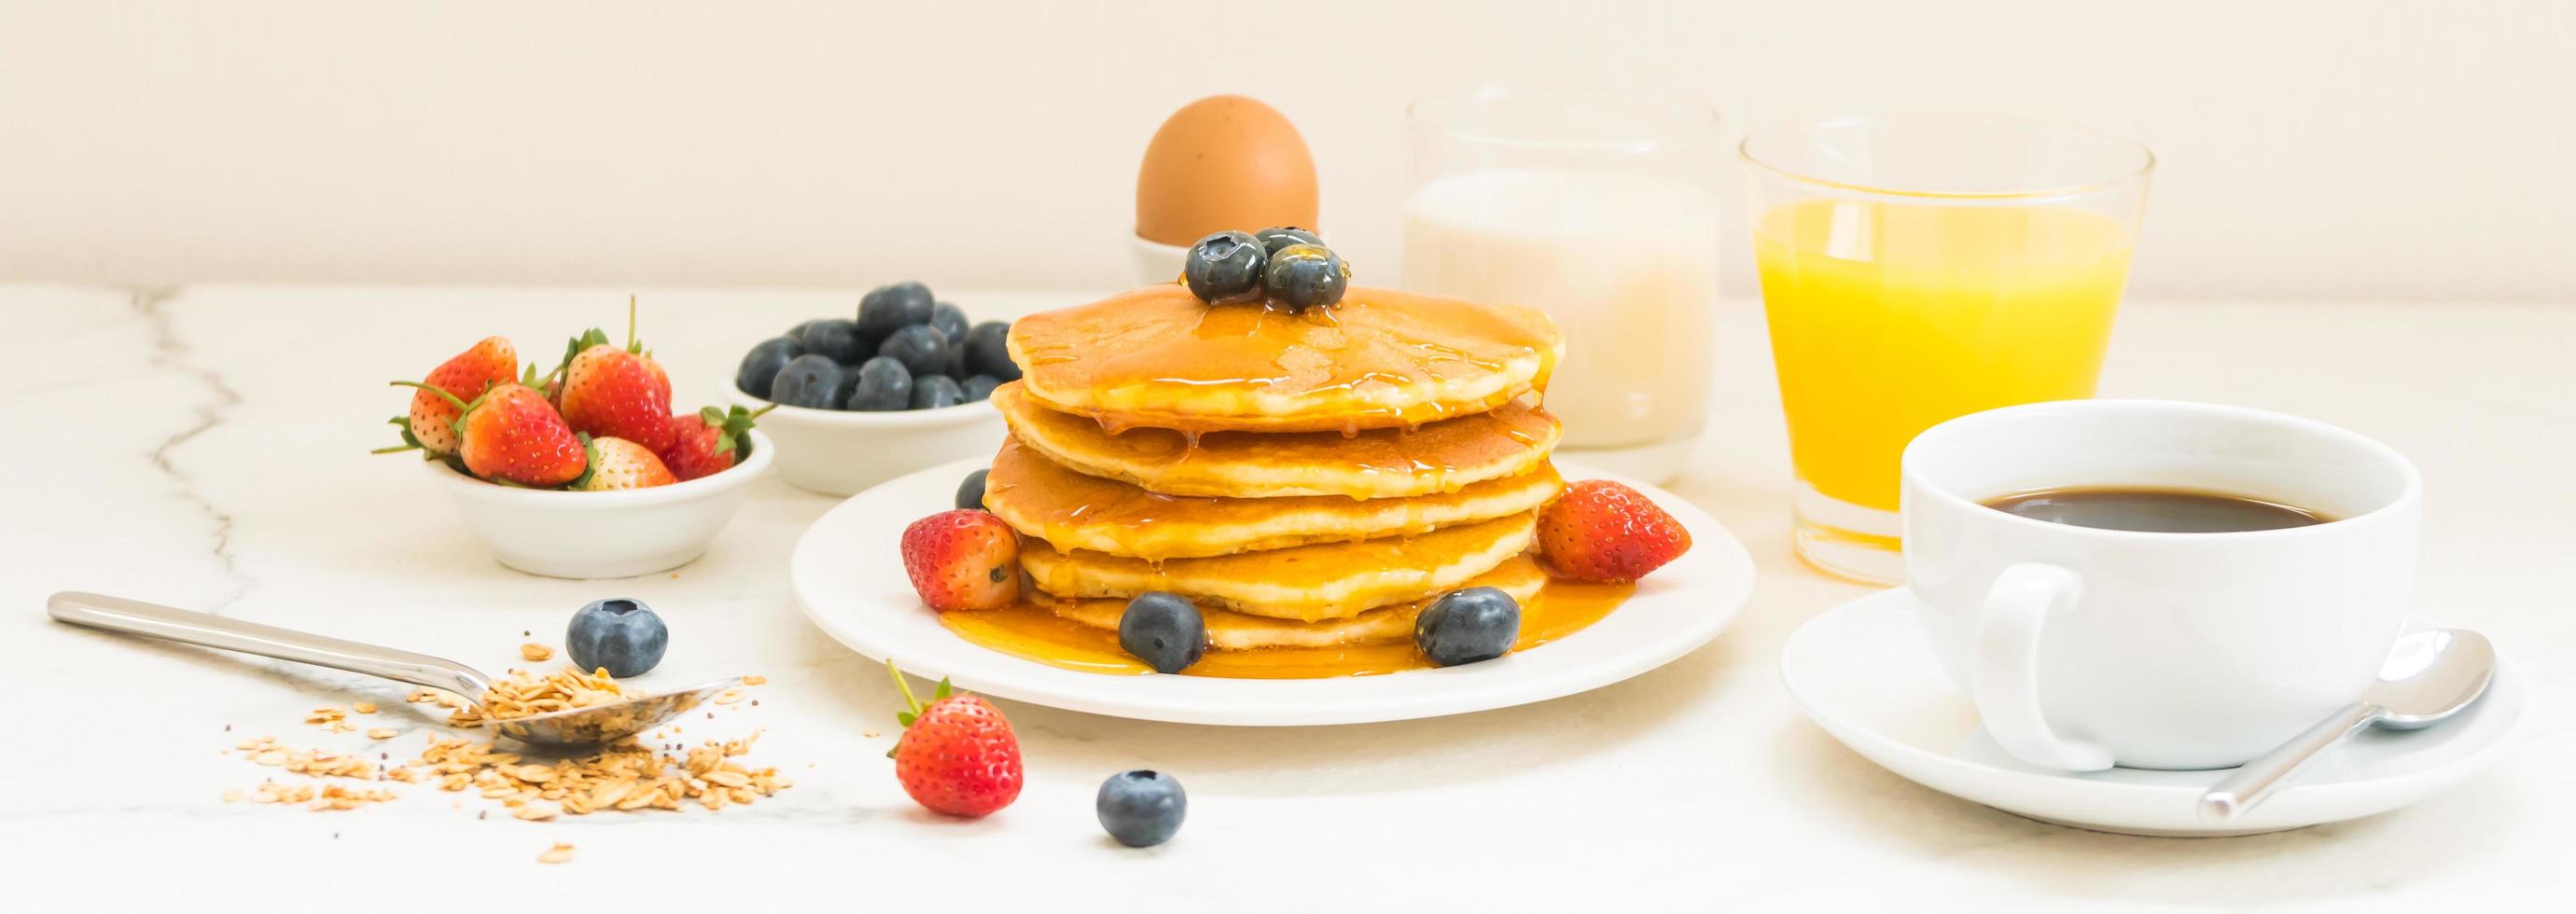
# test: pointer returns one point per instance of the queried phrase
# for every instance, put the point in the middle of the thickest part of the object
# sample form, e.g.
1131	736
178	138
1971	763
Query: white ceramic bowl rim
733	477
959	414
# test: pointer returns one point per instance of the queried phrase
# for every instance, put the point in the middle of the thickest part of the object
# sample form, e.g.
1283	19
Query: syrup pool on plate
1030	631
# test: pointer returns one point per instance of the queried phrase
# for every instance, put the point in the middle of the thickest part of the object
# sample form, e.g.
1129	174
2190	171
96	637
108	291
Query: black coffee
2154	510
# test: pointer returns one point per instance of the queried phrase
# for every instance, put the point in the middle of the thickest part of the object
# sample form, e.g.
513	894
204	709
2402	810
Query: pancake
1305	583
1445	456
1040	498
1158	357
1234	631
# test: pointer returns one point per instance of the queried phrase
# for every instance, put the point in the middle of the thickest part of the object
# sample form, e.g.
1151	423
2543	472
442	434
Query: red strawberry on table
609	392
1603	531
431	426
511	434
957	754
963	560
616	463
708	441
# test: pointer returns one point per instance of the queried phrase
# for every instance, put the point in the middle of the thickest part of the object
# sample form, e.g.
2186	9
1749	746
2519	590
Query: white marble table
206	447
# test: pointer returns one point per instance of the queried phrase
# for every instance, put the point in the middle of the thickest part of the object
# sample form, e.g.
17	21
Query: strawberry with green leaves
611	392
616	463
431	425
957	755
709	441
511	435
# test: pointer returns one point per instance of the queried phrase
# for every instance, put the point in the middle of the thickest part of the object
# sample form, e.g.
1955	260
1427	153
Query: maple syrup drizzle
1030	631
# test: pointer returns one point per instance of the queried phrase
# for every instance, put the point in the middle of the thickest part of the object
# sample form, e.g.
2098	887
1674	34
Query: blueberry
988	351
921	348
980	387
623	636
956	367
884	386
951	321
811	381
1141	808
1275	238
970	494
1224	267
1465	626
798	330
1164	630
849	385
892	308
1306	276
760	366
838	340
932	391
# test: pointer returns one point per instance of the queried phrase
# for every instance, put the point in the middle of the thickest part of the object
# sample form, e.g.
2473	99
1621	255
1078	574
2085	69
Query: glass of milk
1601	209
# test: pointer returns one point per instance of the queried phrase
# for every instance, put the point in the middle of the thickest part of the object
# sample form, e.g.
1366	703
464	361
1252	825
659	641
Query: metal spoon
2430	675
570	729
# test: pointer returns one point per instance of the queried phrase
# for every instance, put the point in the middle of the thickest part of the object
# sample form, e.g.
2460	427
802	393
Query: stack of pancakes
1308	479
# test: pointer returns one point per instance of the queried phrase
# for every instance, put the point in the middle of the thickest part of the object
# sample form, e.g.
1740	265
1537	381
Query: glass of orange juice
1918	269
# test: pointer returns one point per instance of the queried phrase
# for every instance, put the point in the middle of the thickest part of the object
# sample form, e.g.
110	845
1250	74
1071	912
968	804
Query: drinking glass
1918	269
1601	209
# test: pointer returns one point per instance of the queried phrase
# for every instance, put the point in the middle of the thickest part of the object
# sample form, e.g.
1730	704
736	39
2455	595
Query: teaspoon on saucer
2429	676
575	728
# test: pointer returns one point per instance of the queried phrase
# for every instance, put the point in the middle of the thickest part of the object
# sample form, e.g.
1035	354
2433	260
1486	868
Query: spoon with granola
567	710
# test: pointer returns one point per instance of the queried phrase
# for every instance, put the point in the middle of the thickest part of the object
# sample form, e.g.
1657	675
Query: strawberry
708	441
511	435
963	560
956	755
609	392
1603	531
431	426
616	463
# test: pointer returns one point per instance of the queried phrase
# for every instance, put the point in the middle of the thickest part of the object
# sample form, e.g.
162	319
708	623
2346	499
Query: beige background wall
2352	149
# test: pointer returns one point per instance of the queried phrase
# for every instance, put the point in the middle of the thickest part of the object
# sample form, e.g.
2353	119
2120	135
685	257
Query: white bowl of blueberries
858	402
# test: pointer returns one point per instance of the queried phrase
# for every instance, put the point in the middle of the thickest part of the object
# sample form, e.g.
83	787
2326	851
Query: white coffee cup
2084	647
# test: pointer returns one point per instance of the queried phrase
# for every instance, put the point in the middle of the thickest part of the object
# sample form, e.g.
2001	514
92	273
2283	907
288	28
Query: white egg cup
1156	263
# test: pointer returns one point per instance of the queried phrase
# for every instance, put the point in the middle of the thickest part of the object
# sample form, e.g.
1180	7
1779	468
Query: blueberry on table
988	351
970	494
1141	808
760	366
837	340
1466	626
1224	267
921	348
810	380
1306	276
622	636
1277	237
951	321
935	391
1165	630
884	386
887	309
980	387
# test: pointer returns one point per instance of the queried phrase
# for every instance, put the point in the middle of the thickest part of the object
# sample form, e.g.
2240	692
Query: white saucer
848	577
1861	672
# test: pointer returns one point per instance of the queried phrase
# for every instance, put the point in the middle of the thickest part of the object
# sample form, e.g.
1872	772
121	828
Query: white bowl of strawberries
583	472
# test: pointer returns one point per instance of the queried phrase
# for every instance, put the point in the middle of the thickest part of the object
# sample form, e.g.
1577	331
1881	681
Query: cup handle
2005	671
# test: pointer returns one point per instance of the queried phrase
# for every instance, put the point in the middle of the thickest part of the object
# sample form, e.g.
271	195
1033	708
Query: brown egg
1223	162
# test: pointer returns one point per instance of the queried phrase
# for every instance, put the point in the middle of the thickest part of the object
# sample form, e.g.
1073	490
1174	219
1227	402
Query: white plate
848	577
1862	673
